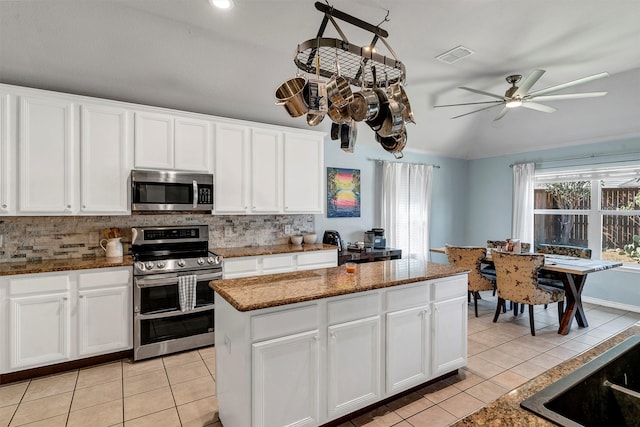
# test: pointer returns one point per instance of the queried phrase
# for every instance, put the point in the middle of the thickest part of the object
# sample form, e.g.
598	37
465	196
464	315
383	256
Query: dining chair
550	278
517	281
469	258
488	270
574	251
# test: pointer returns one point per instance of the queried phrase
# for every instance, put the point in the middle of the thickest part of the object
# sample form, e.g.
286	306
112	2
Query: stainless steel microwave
168	191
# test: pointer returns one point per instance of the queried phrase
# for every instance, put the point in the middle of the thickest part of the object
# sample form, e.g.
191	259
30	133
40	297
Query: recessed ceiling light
222	4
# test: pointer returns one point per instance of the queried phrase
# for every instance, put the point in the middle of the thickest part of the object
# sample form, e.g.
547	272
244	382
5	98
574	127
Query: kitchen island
310	347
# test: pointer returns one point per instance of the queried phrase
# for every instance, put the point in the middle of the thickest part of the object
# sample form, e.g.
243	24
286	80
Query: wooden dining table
573	272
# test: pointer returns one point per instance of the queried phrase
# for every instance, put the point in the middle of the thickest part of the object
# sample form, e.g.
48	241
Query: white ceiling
187	55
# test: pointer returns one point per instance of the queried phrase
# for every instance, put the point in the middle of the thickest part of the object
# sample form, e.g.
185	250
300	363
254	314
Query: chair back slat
574	251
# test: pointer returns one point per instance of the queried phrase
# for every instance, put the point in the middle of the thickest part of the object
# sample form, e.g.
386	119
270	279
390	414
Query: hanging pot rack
356	62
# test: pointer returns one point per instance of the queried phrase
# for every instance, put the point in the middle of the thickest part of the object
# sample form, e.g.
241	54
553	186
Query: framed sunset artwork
343	193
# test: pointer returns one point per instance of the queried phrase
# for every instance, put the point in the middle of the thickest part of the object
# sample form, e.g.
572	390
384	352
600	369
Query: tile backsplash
58	237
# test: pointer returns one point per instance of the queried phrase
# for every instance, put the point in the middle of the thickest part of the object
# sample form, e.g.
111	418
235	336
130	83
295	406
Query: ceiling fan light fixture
222	4
514	103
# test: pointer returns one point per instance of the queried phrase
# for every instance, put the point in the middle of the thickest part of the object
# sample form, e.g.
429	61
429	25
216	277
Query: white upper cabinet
303	173
47	153
192	145
248	170
231	168
154	141
7	162
266	171
106	159
165	141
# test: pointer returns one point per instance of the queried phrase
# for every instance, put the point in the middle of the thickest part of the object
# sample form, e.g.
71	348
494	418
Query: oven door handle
148	282
208	307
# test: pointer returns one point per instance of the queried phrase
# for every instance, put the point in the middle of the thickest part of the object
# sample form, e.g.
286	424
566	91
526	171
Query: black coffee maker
332	237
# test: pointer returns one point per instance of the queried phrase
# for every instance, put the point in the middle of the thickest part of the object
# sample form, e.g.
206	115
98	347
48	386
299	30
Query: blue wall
472	201
489	189
449	198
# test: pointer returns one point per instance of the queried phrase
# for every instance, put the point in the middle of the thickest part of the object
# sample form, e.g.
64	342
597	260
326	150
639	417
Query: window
599	209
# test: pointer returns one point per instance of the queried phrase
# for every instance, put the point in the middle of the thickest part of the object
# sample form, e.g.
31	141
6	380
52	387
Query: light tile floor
179	390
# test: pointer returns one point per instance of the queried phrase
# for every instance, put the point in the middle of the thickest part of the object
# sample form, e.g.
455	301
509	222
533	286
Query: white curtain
522	213
405	205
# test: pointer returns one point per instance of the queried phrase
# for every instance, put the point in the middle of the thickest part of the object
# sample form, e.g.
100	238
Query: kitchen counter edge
53	265
270	250
259	292
506	410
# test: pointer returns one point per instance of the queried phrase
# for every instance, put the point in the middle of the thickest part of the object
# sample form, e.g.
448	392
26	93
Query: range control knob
200	261
140	265
149	265
218	259
211	260
181	263
161	264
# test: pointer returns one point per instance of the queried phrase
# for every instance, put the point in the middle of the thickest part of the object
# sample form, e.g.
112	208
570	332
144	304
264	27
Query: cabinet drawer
284	322
352	308
104	278
407	297
41	284
443	289
319	257
274	262
239	266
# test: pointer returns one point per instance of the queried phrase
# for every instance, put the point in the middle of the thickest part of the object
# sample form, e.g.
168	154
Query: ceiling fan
519	96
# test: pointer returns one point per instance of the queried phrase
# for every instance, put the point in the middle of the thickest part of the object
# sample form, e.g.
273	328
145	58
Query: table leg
573	285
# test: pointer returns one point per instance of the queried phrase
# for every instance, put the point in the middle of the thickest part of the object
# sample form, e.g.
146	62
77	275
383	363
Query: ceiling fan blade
481	92
468	103
501	114
538	107
568	96
569	84
475	111
528	82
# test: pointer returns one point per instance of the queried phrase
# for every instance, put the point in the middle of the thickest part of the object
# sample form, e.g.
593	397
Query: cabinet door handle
4	206
315	338
332	335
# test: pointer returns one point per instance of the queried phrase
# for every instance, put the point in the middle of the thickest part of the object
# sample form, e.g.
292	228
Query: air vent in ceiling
454	55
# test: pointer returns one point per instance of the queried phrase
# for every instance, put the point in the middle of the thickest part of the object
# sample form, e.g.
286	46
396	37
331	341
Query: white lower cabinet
286	378
353	365
309	363
39	329
449	349
63	316
234	268
104	312
408	345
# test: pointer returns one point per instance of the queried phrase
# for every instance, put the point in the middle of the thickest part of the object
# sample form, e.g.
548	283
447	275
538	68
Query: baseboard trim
611	304
64	366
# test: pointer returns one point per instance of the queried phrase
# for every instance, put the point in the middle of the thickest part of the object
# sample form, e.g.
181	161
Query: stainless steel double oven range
169	261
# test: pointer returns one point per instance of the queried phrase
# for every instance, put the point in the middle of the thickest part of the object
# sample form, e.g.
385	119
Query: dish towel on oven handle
187	292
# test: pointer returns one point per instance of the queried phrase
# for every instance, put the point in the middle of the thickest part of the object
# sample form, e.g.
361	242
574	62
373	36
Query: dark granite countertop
257	292
270	249
47	266
506	411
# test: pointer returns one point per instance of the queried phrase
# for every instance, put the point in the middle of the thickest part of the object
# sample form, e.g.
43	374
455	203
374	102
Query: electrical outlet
287	229
228	231
1	240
